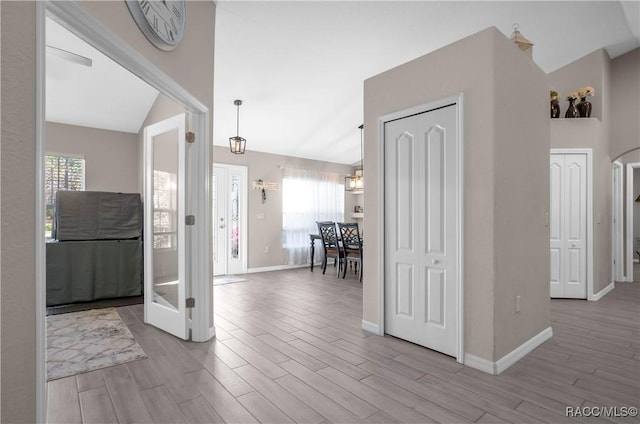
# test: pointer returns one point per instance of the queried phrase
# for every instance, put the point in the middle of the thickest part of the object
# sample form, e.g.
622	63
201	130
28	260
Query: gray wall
268	231
521	198
506	189
111	157
625	105
17	172
17	208
594	70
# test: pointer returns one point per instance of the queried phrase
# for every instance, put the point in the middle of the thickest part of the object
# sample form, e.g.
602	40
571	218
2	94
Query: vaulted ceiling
299	66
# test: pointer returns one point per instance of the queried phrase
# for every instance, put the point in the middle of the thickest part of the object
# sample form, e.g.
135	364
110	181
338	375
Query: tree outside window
61	173
164	210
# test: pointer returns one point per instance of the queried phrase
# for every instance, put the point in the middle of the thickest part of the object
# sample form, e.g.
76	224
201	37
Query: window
60	173
164	210
307	197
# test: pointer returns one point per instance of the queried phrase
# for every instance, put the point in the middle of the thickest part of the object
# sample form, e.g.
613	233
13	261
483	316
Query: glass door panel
165	225
166	237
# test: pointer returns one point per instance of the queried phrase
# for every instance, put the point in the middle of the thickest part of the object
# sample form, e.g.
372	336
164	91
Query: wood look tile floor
289	348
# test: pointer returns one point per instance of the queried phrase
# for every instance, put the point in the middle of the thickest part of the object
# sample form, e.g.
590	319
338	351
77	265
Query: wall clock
162	22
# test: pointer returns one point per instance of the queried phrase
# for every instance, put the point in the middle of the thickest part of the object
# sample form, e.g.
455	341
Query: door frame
244	211
589	155
75	19
617	228
629	230
458	100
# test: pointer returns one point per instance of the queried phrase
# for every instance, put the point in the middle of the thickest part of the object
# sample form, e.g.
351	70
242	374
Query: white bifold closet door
568	225
422	229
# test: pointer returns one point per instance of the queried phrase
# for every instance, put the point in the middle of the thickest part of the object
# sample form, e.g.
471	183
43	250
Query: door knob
435	261
222	226
573	245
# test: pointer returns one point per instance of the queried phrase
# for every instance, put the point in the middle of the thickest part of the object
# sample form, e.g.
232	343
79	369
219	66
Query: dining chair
329	236
351	246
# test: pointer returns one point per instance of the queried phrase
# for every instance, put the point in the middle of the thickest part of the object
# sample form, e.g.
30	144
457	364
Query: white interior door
229	219
422	229
617	223
632	240
166	237
219	202
568	225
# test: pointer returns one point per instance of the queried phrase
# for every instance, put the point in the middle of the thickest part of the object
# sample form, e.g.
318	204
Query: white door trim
629	229
617	231
76	20
589	154
40	253
458	100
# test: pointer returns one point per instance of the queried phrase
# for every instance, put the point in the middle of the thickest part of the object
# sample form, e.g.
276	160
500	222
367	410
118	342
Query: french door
568	225
422	229
229	200
166	158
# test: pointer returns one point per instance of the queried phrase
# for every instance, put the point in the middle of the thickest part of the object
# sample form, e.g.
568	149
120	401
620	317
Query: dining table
312	240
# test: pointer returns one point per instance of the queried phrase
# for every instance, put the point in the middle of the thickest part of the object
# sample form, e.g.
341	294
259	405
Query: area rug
227	279
79	342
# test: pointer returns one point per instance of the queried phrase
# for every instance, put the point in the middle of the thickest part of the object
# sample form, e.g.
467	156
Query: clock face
162	22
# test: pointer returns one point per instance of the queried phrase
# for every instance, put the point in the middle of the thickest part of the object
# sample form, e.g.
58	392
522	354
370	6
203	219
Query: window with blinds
60	173
164	210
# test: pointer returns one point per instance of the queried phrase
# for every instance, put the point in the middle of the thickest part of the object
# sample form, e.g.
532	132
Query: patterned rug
84	341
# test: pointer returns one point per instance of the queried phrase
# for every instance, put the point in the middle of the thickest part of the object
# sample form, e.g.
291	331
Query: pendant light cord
238	121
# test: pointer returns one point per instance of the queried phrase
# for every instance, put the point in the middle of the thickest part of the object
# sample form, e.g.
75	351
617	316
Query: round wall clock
162	22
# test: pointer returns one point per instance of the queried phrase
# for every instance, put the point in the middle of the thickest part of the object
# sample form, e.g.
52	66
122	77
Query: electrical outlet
266	249
518	303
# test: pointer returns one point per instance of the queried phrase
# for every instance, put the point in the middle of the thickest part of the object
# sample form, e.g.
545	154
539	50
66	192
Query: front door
229	199
165	234
422	229
568	225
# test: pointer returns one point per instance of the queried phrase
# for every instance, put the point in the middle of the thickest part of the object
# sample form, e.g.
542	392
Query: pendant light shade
237	143
525	45
356	182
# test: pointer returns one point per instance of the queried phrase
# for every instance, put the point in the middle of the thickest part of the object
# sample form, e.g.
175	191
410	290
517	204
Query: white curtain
307	197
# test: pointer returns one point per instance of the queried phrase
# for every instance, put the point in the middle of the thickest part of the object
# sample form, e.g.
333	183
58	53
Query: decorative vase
584	108
572	110
555	108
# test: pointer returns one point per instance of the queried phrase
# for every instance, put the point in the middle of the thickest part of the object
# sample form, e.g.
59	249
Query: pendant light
356	182
237	143
525	45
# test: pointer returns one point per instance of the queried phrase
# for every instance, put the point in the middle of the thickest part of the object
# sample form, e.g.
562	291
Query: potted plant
572	110
584	107
555	106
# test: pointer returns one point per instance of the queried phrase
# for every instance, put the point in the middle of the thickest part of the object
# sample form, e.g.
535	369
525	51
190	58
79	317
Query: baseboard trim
371	327
275	268
496	368
602	293
479	363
